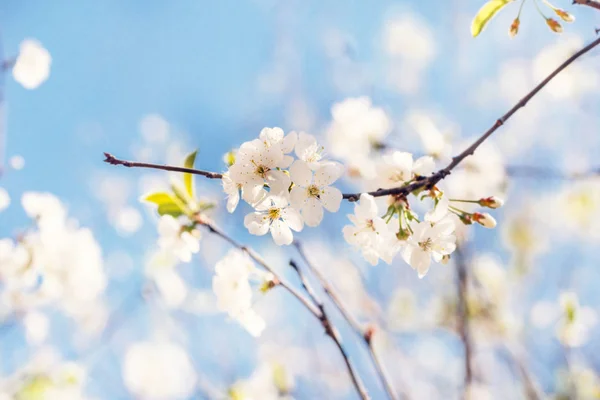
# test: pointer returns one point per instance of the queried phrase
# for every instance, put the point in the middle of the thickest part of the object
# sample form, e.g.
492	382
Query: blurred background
154	80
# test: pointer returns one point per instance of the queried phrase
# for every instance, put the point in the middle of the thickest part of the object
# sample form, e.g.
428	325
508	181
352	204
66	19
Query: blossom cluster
55	262
285	192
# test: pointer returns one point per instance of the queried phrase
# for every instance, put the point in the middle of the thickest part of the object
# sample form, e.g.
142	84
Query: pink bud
485	220
491	202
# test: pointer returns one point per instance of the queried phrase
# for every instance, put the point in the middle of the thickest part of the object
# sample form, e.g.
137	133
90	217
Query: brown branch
432	180
332	332
312	305
590	3
365	334
463	315
532	390
110	159
526	171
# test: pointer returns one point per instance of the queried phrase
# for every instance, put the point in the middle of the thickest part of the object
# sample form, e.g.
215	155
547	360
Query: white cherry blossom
309	151
32	66
432	238
276	136
231	285
398	168
255	165
232	189
370	233
175	239
312	192
275	214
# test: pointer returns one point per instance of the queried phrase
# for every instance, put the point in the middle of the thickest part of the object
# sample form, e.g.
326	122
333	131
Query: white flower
429	240
398	168
158	371
309	151
231	285
370	233
275	214
232	189
355	128
311	193
32	66
172	237
4	199
276	136
256	164
576	321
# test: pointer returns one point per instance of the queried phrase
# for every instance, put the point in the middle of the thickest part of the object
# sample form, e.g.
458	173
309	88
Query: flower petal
331	198
257	223
424	166
281	233
300	173
298	197
292	218
328	173
289	142
312	212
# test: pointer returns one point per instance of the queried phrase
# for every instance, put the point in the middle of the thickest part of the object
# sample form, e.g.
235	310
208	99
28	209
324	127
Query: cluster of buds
552	23
484	219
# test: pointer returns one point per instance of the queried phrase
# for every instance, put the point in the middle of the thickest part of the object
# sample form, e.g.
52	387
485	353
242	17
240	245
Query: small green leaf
188	180
167	203
485	14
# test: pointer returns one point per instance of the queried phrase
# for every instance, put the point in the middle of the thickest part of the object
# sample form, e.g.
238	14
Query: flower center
426	245
313	191
261	170
370	225
274	213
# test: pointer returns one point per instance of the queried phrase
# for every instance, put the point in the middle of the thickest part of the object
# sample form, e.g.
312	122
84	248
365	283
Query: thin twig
365	334
432	180
259	260
463	315
312	305
526	171
590	3
331	331
115	161
532	390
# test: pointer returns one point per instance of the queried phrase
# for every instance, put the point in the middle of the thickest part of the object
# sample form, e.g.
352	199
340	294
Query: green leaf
167	203
485	14
188	180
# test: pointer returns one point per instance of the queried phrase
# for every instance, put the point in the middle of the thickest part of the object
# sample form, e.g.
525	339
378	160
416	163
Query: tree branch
110	159
312	305
332	332
526	171
463	315
365	335
430	181
590	3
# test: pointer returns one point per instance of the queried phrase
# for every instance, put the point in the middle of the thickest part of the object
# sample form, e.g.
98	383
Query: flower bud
491	202
554	25
564	15
229	158
485	220
514	28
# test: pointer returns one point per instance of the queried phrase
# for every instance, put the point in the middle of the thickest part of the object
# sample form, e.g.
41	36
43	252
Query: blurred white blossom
32	66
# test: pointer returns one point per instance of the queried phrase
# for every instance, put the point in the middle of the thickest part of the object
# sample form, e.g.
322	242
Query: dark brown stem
115	161
365	334
463	315
431	181
526	171
331	331
589	3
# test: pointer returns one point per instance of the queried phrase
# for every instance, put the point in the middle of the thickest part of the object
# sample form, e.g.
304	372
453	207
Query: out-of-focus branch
527	171
590	3
311	304
432	180
463	314
365	334
532	390
332	332
110	159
